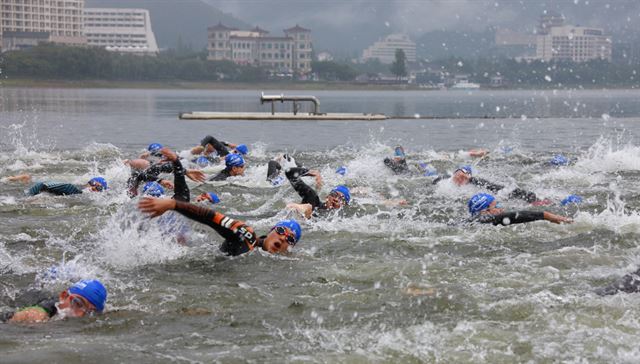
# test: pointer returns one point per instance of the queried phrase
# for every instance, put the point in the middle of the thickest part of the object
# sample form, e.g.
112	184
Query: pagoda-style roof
220	27
257	29
297	29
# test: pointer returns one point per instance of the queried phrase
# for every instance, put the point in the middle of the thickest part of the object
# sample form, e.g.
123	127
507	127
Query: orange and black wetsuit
239	238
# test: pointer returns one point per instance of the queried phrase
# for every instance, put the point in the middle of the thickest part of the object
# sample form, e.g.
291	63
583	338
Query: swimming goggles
280	230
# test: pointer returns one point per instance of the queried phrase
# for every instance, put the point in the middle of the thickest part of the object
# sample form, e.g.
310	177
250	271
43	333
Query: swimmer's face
460	177
278	240
95	187
335	200
203	197
74	305
237	171
493	209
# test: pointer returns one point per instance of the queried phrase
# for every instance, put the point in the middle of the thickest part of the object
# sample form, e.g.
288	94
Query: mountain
176	23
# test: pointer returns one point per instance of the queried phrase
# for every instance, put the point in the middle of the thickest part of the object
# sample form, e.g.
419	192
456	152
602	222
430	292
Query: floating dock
212	115
273	115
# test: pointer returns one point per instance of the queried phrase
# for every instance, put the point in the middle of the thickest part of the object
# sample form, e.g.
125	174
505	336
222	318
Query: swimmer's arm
557	219
308	194
304	209
22	178
478	152
480	182
216	144
30	315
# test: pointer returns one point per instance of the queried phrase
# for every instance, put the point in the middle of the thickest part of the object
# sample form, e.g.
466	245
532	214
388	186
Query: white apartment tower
385	49
24	23
121	30
577	44
291	53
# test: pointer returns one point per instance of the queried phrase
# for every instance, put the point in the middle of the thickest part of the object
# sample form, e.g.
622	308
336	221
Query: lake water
374	283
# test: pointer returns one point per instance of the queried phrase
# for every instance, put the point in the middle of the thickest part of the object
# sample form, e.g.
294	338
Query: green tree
399	66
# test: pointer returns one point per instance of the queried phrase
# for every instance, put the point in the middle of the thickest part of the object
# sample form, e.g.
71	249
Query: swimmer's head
235	164
284	234
398	152
462	175
98	184
84	297
571	199
154	148
242	149
153	189
202	161
480	202
338	197
559	160
208	196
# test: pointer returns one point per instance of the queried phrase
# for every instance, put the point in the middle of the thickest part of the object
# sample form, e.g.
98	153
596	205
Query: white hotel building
385	49
120	30
25	23
577	44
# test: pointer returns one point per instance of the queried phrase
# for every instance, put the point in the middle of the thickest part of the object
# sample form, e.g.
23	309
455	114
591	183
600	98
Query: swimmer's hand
315	173
303	209
169	154
195	175
478	153
557	219
197	150
22	178
156	206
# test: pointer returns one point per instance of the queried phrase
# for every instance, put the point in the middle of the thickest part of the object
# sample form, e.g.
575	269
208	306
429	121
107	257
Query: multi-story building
24	23
548	20
291	53
120	29
577	44
385	49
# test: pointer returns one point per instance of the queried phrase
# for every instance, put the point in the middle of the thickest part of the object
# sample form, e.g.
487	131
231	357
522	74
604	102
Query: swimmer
629	283
310	205
463	176
146	159
485	209
398	163
96	184
210	144
208	197
275	166
152	173
86	297
234	166
239	237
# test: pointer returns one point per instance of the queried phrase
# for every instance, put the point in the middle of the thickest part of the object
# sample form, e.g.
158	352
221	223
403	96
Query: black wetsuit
151	174
220	147
494	187
274	168
56	188
239	237
222	176
397	166
508	218
308	194
629	283
40	299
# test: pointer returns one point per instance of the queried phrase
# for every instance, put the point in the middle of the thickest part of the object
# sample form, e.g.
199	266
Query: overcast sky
344	22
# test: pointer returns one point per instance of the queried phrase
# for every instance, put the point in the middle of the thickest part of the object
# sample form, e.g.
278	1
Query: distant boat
465	85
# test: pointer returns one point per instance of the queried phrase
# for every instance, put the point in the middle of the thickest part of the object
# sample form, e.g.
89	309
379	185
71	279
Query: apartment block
121	30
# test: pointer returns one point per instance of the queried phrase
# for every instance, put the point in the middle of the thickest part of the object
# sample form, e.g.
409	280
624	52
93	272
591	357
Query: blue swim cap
92	290
428	169
465	169
233	160
213	197
341	170
344	190
154	147
293	226
243	149
399	152
99	180
153	189
571	199
479	202
202	161
559	160
278	181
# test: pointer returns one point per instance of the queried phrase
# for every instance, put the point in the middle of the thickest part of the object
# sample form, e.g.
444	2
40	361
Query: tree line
48	61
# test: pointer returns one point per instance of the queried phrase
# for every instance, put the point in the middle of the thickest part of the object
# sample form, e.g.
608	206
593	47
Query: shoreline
302	86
